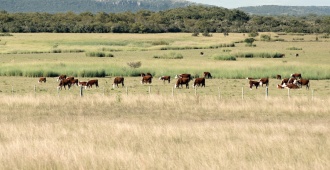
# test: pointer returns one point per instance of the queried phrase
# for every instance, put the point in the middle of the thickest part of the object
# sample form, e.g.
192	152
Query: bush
172	55
224	57
99	54
133	64
294	48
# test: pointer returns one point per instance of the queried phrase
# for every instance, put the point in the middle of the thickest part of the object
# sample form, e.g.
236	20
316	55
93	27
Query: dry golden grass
163	132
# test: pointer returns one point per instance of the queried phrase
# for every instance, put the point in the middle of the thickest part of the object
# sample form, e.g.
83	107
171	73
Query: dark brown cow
74	82
83	84
90	83
303	82
264	81
42	79
199	82
164	78
297	55
291	86
207	75
146	79
70	78
184	76
254	83
148	74
279	77
61	77
182	81
118	80
296	75
64	82
142	74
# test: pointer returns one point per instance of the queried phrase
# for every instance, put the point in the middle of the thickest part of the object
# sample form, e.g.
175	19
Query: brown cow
199	81
288	81
42	79
164	78
90	83
74	81
254	83
250	78
291	86
207	75
70	78
61	77
279	77
296	75
142	74
303	82
184	76
146	79
148	74
182	81
118	80
64	82
83	84
264	81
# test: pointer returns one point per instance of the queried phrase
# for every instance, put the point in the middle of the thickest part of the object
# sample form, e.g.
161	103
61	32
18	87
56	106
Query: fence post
35	90
195	91
12	89
81	91
288	93
242	93
266	92
58	91
149	89
103	91
126	91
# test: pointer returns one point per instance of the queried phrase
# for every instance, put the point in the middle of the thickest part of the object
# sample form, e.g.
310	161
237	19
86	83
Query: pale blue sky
243	3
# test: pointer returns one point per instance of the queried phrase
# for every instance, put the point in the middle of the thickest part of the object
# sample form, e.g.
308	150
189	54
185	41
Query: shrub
172	55
294	48
224	57
99	54
134	64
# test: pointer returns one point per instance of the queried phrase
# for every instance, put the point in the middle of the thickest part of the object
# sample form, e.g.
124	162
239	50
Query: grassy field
222	126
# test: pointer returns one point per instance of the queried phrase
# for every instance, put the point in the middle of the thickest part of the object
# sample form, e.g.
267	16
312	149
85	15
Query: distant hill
94	6
286	10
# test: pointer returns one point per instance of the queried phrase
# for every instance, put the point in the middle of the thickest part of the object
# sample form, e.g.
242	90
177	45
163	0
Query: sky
243	3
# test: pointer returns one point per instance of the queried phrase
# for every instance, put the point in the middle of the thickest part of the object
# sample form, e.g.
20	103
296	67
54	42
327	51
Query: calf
291	86
83	84
303	82
118	80
264	81
90	83
146	79
64	82
182	81
42	79
254	83
199	81
207	75
164	78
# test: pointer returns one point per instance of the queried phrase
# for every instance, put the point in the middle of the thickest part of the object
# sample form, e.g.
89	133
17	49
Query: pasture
142	126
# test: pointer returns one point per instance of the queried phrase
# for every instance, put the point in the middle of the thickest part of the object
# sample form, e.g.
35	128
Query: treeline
188	19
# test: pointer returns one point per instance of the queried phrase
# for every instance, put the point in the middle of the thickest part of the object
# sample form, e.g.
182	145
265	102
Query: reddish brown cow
70	78
288	81
264	81
254	83
74	82
142	74
250	78
184	76
61	77
164	78
303	82
146	79
42	79
207	75
64	82
199	81
90	83
148	74
279	77
83	84
296	75
182	81
118	80
291	86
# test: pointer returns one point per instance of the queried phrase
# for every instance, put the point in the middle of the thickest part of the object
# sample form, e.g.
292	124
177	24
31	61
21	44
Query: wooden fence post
266	92
195	91
288	93
149	89
126	91
81	91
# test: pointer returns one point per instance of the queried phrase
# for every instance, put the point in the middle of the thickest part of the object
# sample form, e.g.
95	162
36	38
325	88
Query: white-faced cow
264	81
118	80
90	83
296	75
182	81
207	75
42	79
61	77
184	76
254	83
83	84
64	82
199	82
165	78
288	81
303	82
146	79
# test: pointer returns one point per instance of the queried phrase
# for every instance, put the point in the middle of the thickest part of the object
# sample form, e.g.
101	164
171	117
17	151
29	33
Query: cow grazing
199	82
264	81
207	75
83	84
74	82
254	83
182	81
296	75
184	76
42	79
288	81
118	80
303	82
250	78
291	86
64	82
202	53
279	77
165	78
142	74
90	83
297	55
61	77
146	79
148	74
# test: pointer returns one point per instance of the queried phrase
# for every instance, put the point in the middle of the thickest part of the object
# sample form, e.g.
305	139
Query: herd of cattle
294	82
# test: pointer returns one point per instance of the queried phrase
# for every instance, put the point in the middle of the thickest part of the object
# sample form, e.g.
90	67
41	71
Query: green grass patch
259	55
99	54
224	57
171	55
294	48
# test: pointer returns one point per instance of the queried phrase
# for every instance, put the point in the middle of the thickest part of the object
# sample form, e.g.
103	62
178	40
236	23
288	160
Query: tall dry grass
163	132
